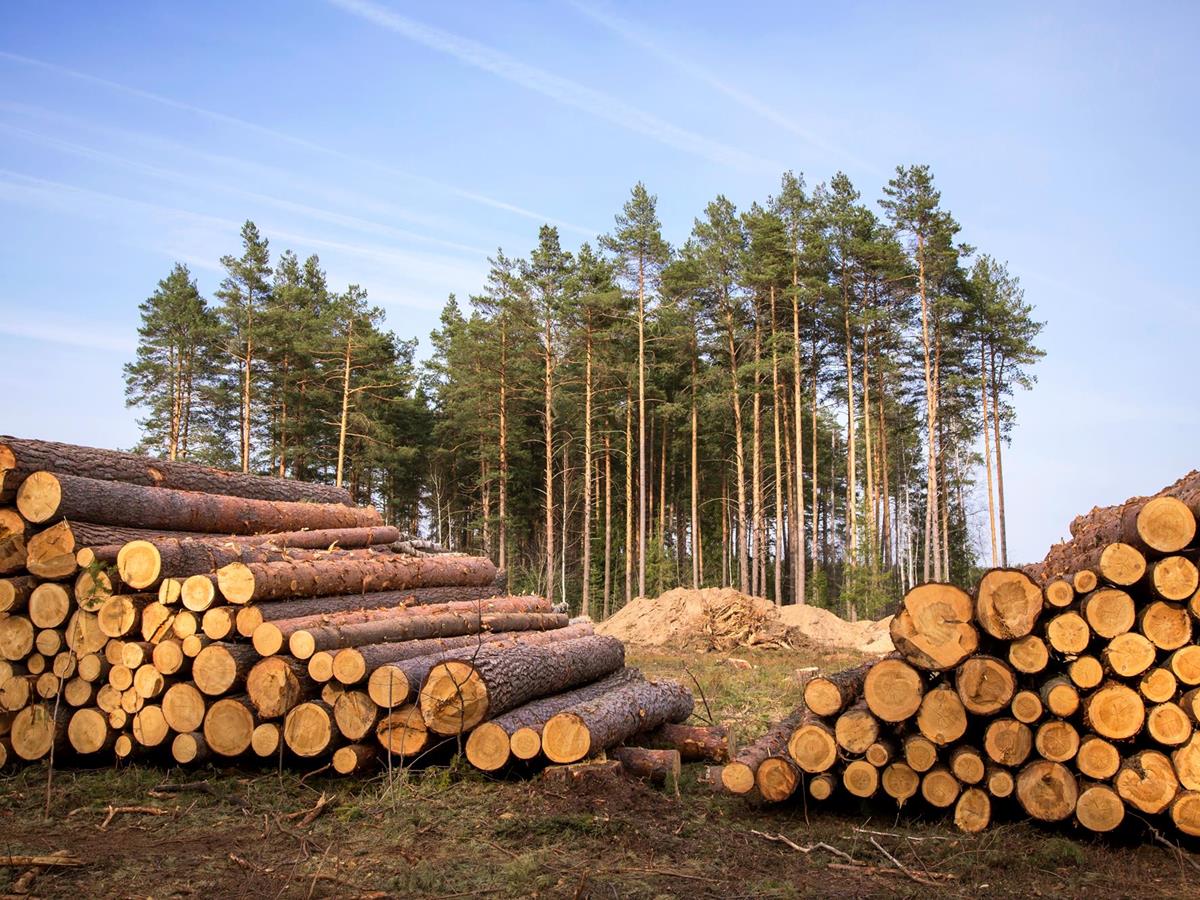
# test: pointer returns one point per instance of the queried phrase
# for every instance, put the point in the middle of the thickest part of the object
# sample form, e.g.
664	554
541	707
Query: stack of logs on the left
1068	691
176	612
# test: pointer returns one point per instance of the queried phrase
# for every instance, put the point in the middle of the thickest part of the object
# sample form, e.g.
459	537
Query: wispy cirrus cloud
564	90
638	35
53	328
292	140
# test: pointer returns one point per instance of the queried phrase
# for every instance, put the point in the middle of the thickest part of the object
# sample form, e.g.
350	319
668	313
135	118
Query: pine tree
243	293
169	377
638	244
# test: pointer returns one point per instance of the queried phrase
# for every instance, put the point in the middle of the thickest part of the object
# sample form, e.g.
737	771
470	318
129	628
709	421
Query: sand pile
722	619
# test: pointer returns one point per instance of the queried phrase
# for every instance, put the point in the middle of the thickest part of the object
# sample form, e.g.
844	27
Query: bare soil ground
448	832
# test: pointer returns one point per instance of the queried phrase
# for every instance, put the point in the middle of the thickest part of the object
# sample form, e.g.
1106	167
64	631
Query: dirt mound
722	619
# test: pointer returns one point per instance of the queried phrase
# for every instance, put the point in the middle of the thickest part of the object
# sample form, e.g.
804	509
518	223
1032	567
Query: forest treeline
806	399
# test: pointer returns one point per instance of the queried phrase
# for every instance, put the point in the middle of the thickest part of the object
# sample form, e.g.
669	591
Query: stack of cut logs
1070	688
169	610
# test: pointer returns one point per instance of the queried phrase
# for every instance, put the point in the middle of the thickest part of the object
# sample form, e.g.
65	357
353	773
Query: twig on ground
308	816
887	870
784	839
703	699
901	866
907	837
54	859
136	810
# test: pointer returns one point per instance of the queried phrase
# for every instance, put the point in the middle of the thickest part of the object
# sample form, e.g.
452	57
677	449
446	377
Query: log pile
173	612
1069	690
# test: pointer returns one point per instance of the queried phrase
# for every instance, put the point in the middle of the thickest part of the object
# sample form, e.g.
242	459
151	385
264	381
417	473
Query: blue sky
405	142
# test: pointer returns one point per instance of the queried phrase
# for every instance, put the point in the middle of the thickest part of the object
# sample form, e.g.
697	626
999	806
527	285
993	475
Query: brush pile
172	611
1070	689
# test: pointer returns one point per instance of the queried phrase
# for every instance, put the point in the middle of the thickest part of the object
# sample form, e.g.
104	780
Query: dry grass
449	832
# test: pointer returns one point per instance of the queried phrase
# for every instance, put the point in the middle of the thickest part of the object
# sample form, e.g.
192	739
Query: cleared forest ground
448	832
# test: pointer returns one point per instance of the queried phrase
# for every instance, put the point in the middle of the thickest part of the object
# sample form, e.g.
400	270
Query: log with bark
739	774
241	583
141	563
459	694
614	718
20	458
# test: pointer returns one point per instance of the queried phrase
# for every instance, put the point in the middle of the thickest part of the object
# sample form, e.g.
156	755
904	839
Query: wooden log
1108	612
168	658
49	605
250	617
14	593
156	622
934	627
193	644
266	739
1174	578
355	715
1060	697
44	496
900	782
354	759
1056	740
229	726
320	667
142	562
198	592
270	637
985	684
1026	706
1114	711
1099	808
47	685
89	732
150	727
893	690
48	642
967	765
170	591
860	778
695	743
1186	760
78	692
1185	813
812	744
828	695
308	729
880	753
403	732
973	811
1047	791
1188	700
661	767
391	684
856	729
1085	672
1158	685
120	615
519	732
241	583
1007	742
1007	603
303	643
21	457
37	729
1168	626
1000	782
1128	655
1059	593
1168	725
940	788
50	554
1147	781
1029	655
148	681
16	637
132	702
1184	663
217	623
822	786
942	717
920	753
17	692
612	718
189	749
35	664
460	693
274	685
183	707
219	668
1068	633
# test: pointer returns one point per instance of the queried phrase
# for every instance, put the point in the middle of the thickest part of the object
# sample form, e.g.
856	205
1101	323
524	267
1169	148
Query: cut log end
934	628
488	747
893	690
526	744
308	729
139	564
236	582
776	779
455	700
1047	791
565	737
403	732
900	782
39	497
813	747
1099	808
973	811
1165	524
1008	603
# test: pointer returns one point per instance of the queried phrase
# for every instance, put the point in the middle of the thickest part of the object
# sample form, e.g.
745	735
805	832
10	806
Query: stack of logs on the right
1068	689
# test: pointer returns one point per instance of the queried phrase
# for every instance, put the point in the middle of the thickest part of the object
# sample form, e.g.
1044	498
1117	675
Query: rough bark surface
20	458
422	627
613	718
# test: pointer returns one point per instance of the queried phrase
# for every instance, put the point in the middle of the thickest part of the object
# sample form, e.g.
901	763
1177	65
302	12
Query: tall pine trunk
607	523
778	460
799	565
641	323
502	525
851	441
341	454
697	536
999	462
628	495
585	607
740	536
548	439
931	413
987	449
758	587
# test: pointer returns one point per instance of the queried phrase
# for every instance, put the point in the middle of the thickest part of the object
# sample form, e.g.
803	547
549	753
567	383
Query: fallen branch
308	816
901	866
887	870
133	810
7	862
784	839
